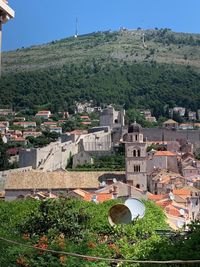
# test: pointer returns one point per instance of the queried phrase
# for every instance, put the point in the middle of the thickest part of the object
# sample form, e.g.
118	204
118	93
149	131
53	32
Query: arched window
136	168
136	137
136	153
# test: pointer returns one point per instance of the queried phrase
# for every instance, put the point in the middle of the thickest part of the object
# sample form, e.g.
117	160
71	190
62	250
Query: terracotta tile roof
19	139
157	197
100	197
44	112
171	210
181	192
86	122
78	132
13	151
163	204
35	134
164	153
85	117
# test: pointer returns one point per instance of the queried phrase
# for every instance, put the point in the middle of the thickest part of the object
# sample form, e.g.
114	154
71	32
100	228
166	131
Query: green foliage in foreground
82	227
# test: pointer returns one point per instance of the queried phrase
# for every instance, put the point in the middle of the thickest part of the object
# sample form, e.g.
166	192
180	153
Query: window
136	137
138	186
136	168
136	153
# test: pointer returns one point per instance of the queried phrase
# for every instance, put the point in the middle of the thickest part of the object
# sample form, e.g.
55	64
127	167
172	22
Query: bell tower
135	153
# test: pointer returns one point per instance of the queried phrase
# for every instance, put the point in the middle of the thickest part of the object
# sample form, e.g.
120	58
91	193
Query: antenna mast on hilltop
76	33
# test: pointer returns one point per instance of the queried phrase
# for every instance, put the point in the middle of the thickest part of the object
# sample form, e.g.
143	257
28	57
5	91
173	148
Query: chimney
115	192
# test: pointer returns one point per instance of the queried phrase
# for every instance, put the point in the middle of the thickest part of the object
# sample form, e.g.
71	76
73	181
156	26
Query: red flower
62	258
91	244
26	236
21	261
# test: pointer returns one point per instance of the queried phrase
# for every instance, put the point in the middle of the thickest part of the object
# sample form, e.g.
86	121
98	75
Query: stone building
111	117
170	124
135	153
162	160
163	181
82	158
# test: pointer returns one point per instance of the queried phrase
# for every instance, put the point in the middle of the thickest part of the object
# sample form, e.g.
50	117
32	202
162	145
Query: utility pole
6	13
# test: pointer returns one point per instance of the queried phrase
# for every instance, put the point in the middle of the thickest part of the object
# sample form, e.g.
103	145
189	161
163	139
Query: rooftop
164	153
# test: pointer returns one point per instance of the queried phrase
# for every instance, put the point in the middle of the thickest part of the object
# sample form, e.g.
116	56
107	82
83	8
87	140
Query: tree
4	163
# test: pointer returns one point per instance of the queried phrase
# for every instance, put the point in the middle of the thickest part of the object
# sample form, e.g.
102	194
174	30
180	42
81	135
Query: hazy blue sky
39	21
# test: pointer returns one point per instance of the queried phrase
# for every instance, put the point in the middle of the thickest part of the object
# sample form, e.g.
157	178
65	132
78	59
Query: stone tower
135	153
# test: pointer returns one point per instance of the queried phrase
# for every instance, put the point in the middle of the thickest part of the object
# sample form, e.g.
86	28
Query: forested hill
151	68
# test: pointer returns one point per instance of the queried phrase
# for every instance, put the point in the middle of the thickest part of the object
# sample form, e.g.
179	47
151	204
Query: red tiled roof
164	153
181	192
86	122
171	210
163	203
19	139
157	197
77	132
85	117
101	197
13	151
43	112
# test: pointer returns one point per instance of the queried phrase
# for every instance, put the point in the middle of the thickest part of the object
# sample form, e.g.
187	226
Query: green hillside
108	67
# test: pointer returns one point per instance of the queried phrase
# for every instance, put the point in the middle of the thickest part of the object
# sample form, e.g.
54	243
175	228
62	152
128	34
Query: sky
42	21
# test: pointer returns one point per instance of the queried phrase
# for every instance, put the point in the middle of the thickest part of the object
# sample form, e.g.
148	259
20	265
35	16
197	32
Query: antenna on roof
182	212
180	224
76	33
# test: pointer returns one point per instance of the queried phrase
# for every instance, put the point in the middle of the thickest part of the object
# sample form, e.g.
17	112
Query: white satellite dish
114	180
136	207
103	184
182	212
180	224
171	196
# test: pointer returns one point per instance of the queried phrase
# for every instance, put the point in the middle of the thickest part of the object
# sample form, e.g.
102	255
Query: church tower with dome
135	153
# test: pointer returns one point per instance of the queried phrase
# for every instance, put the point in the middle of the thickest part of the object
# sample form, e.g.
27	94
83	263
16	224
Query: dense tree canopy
144	85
